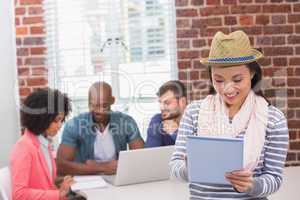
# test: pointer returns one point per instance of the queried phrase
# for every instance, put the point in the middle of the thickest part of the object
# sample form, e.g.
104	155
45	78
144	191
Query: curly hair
41	108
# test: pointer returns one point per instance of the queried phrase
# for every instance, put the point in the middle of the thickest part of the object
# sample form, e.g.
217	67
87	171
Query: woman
32	165
236	108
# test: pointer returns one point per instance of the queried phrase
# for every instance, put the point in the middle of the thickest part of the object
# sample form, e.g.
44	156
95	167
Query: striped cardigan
267	175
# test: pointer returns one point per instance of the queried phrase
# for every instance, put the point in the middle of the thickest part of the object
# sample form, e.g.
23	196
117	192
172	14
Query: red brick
293	82
291	156
199	43
298	112
253	30
30	2
34	41
20	11
197	2
18	41
38	71
188	54
294	39
182	23
210	32
282	8
183	44
202	23
261	1
298	50
263	40
34	61
246	20
40	81
293	103
294	18
283	29
276	1
213	2
20	31
280	62
297	93
180	3
21	82
184	65
24	91
197	65
188	33
33	20
230	20
23	71
17	21
36	10
297	70
194	75
37	30
183	75
38	51
229	2
262	20
280	40
245	9
297	7
295	145
186	12
19	61
291	114
22	51
214	10
245	1
278	19
278	51
298	29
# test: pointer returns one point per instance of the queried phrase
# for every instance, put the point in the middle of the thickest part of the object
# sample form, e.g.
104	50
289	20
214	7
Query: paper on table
88	182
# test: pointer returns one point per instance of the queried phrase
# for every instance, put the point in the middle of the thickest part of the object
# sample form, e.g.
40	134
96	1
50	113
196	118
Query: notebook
210	157
88	182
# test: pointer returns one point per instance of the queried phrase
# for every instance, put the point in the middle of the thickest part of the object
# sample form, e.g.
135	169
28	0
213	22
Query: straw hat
232	49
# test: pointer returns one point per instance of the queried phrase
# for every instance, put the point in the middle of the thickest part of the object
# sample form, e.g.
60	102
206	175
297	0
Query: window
128	43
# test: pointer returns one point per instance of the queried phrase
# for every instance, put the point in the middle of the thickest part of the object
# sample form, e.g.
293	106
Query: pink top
31	179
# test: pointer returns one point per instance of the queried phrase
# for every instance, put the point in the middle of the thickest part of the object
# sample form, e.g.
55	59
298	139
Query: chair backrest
5	183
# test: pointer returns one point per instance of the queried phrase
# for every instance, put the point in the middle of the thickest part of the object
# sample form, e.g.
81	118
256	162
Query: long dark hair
255	68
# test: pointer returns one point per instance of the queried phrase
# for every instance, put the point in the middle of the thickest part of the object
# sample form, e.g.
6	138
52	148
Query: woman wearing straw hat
237	103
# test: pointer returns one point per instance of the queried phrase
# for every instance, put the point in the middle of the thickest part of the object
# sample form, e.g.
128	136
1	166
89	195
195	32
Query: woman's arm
178	161
276	147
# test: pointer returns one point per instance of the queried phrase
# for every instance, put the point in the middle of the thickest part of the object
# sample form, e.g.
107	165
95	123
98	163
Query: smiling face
232	83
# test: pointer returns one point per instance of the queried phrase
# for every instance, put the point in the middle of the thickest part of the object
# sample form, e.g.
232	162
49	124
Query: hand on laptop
107	168
170	126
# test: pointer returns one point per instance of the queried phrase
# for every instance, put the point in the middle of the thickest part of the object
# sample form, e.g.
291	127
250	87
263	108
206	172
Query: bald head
100	89
100	101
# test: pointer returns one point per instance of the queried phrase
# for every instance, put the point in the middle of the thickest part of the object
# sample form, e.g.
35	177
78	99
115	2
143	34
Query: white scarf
252	118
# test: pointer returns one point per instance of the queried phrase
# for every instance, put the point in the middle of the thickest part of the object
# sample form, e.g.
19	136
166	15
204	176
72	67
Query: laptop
210	157
142	165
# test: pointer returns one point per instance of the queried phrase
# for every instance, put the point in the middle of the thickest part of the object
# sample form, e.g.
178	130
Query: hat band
237	59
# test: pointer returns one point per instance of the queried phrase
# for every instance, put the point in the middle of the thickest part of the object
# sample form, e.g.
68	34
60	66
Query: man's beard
166	114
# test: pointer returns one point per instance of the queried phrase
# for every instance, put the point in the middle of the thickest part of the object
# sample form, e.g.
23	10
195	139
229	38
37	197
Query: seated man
162	130
91	141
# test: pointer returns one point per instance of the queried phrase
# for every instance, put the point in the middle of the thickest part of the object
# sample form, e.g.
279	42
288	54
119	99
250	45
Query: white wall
9	117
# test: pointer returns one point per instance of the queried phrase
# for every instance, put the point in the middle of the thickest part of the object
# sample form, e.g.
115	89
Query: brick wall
273	26
31	46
